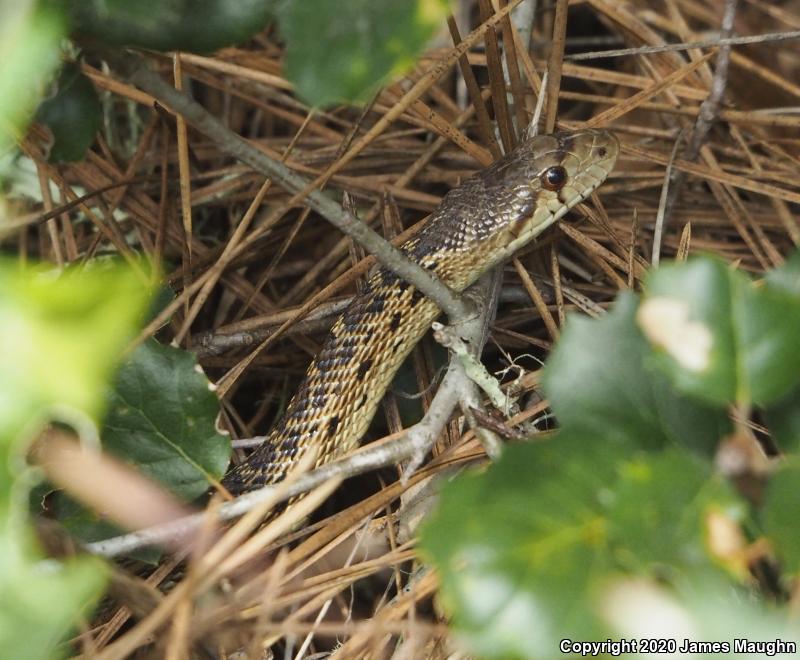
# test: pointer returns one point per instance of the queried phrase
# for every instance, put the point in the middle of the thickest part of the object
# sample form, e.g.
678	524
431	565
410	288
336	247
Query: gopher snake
477	225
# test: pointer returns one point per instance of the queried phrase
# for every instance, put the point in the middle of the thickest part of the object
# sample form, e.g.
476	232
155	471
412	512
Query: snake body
478	224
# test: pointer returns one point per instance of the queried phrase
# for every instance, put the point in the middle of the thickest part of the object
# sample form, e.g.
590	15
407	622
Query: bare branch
242	150
708	43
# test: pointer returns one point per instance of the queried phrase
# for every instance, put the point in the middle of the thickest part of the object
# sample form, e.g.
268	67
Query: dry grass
348	582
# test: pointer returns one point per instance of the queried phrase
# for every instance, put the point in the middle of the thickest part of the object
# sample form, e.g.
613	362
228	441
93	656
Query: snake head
575	165
495	212
543	178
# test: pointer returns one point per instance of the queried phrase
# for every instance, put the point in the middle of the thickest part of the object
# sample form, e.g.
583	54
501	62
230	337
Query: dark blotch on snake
376	305
333	424
363	368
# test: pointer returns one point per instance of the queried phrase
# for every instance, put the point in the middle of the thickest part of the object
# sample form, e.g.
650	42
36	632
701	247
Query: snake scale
478	224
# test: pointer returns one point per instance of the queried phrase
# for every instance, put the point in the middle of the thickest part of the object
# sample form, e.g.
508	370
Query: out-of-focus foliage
190	25
29	42
570	538
335	51
61	335
341	51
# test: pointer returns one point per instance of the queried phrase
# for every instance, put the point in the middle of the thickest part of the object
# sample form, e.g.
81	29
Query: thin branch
242	150
706	117
472	337
710	107
413	445
708	43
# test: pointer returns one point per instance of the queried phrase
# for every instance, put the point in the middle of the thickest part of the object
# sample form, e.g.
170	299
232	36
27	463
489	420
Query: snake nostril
602	152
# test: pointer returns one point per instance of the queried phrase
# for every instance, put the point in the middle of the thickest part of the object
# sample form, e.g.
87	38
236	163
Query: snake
478	224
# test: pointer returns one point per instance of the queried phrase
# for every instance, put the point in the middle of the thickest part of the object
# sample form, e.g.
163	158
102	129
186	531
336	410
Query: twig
710	107
465	342
706	116
414	444
239	148
709	43
452	340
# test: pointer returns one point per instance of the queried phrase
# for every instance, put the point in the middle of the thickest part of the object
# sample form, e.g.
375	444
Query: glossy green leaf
768	323
781	504
720	337
30	37
161	418
519	547
342	51
189	25
72	113
599	384
783	415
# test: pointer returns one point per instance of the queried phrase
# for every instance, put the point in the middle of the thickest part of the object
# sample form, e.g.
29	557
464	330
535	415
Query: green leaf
41	598
720	337
783	420
599	385
30	37
768	323
525	550
60	337
161	418
787	277
342	51
657	520
687	313
779	513
518	547
73	114
190	25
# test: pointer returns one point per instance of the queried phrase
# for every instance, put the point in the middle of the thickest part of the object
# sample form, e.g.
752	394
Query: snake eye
554	178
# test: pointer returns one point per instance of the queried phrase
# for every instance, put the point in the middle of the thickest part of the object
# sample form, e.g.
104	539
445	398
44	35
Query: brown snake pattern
478	224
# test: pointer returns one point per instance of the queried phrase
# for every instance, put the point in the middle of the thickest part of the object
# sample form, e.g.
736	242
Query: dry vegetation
259	281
